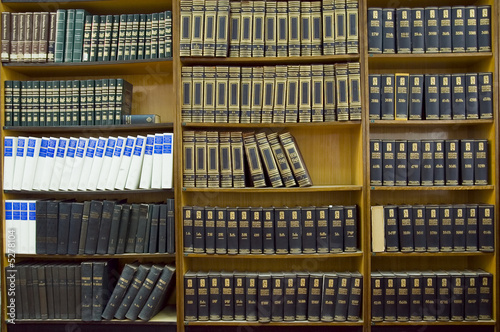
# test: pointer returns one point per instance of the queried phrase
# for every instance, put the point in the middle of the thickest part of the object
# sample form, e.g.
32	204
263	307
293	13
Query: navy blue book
402	297
467	162
445	228
445	44
484	28
439	165
375	162
431	30
471	29
458	28
485	95
431	97
405	227
432	227
459	229
401	98
375	30
387	96
401	163
452	162
471	237
391	228
389	30
403	28
429	298
471	96
481	162
414	162
458	96
445	96
374	95
388	162
427	174
416	97
419	232
417	30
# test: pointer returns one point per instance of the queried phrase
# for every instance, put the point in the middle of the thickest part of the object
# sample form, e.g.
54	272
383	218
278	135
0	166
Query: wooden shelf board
76	193
432	254
278	190
66	69
111	128
389	123
336	124
268	60
275	256
444	323
97	256
418	188
294	323
426	60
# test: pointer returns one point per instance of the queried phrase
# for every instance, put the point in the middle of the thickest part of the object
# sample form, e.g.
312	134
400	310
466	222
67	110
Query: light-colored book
19	163
115	163
106	163
168	161
122	176
50	161
9	160
95	171
147	163
81	149
41	163
69	162
134	173
378	230
156	176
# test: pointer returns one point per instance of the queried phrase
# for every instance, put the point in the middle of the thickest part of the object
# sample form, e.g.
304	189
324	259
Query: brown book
295	159
21	36
28	37
35	41
43	42
283	165
6	31
52	37
268	160
253	159
14	36
237	154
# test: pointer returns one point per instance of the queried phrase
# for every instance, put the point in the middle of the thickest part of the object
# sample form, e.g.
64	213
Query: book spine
342	85
452	162
485	95
258	26
222	26
445	111
414	162
445	34
471	96
445	228
388	30
209	89
418	30
246	95
403	28
375	32
257	94
401	96
304	103
471	24
374	96
431	30
282	29
388	162
232	231
432	97
189	159
458	29
387	97
254	160
419	231
234	28
294	28
270	26
6	37
306	29
401	154
484	29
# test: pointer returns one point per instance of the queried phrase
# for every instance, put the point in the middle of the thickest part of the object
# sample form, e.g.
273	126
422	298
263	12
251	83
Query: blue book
417	30
471	29
485	95
403	28
389	30
375	30
431	97
445	45
374	96
445	96
458	28
416	98
387	97
401	96
471	96
484	28
431	30
458	96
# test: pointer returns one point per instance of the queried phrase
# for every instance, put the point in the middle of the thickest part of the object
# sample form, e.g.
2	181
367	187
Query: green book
70	35
60	35
112	101
134	36
49	87
141	37
104	101
123	99
122	33
56	107
90	102
87	33
102	36
98	103
35	102
69	103
80	25
42	104
168	34
83	102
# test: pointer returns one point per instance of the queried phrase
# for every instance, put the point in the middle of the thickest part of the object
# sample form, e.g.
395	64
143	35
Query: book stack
88	164
74	35
272	94
273	297
306	230
62	290
67	103
92	227
429	30
405	96
213	160
448	162
268	28
141	292
433	228
431	296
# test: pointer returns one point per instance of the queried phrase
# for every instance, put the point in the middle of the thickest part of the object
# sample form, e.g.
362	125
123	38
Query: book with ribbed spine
254	161
354	78
317	28
295	159
257	95
352	37
304	103
209	34
237	156
234	83
246	32
280	91
282	29
222	28
270	24
197	25
292	94
234	28
268	94
209	94
317	89
343	86
186	7
221	94
200	159
294	28
213	170
268	160
281	160
258	28
305	29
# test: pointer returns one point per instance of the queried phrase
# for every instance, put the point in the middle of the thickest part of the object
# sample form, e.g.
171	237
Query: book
403	29
246	29
389	30
401	166
387	104
295	160
445	97
431	30
258	28
471	24
401	96
485	95
431	97
269	162
458	28
388	162
234	28
445	30
270	28
484	28
374	81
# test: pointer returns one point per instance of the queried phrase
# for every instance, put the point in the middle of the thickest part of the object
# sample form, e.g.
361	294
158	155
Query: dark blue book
405	228
471	237
431	30
417	30
485	295
414	162
427	173
376	162
445	96
401	98
459	229
429	296
458	96
471	96
402	296
388	162
445	44
391	228
432	227
419	232
377	297
445	228
458	28
481	162
484	28
443	303
416	97
431	97
387	97
452	170
374	95
389	30
403	28
439	164
485	95
457	296
471	296
390	298
471	29
415	296
336	223
375	30
467	162
401	154
295	231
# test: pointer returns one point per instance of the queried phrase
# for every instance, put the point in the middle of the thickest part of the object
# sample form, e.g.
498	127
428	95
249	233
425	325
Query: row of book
268	28
431	296
405	96
429	30
67	103
273	297
141	292
284	230
74	35
433	228
213	160
62	164
272	94
92	227
450	162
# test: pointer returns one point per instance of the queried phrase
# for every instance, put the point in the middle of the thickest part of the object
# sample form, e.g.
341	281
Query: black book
314	299
159	294
336	224
403	30
215	297
486	228
429	296
75	224
484	28
416	96
264	298
431	30
458	28
251	297
43	293
93	227
445	112
416	305
351	228
374	93
132	229
36	293
401	163
295	230
198	229
355	297
268	230
391	228
227	288
322	236
239	297
439	162
143	294
148	229
445	228
405	228
220	231
170	225
375	162
344	287
243	230
443	296
277	298
202	296
41	226
471	296
432	227
387	97
126	277
105	227
414	162
485	95
232	231
471	228
418	30
485	295
78	290
431	96
458	96
302	296
388	162
419	231
187	227
138	280
71	275
377	297
402	297
445	35
459	227
289	296
471	29
56	289
115	229
471	96
142	228
457	296
256	240
63	227
209	230
467	162
102	286
329	297
375	30
190	297
389	30
122	232
49	286
481	168
87	281
52	223
427	173
452	162
308	230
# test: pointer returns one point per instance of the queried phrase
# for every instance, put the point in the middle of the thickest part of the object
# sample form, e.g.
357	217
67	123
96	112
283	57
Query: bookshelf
337	155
